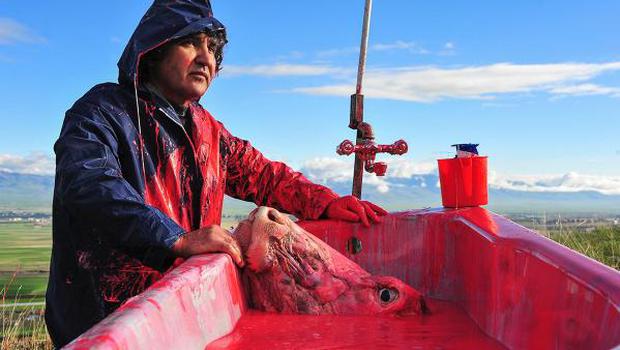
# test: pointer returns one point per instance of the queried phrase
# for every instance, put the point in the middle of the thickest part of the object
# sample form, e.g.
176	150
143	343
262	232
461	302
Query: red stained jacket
129	184
226	165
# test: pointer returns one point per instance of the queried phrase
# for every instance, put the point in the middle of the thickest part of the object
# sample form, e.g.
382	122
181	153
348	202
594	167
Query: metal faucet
365	148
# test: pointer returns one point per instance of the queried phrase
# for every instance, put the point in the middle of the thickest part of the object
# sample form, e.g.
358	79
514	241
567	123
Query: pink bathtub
491	284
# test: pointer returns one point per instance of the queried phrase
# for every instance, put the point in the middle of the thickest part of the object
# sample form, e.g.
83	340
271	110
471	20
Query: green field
25	250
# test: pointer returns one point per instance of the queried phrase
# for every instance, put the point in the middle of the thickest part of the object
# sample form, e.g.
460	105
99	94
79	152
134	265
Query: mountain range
421	191
34	193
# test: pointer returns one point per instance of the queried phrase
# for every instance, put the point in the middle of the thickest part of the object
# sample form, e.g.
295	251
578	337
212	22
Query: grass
25	250
22	326
24	259
25	245
602	244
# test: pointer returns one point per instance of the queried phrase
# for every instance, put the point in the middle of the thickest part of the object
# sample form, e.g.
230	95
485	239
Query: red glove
350	208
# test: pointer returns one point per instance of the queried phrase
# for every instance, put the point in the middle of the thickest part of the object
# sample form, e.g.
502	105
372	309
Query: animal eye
388	295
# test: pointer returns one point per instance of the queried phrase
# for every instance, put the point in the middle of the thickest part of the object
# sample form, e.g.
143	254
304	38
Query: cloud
430	84
280	70
449	49
328	169
34	163
569	182
12	32
340	169
586	89
324	169
406	168
409	46
331	169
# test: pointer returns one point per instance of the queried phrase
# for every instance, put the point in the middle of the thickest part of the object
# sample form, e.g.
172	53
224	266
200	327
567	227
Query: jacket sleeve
91	188
252	177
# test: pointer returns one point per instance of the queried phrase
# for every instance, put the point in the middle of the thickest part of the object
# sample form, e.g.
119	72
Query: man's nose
205	57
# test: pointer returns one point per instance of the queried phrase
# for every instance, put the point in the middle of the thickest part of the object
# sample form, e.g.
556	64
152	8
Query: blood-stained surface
501	285
448	327
189	307
522	289
291	271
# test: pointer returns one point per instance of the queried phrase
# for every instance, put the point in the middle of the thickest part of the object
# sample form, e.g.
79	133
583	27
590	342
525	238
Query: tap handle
346	147
399	147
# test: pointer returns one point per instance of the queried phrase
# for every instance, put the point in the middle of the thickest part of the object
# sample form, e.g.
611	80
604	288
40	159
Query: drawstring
135	91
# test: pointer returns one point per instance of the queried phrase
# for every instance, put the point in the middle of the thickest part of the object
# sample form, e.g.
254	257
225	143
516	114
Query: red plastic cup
463	182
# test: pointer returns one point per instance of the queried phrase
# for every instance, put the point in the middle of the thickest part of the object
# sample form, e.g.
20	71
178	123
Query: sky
535	83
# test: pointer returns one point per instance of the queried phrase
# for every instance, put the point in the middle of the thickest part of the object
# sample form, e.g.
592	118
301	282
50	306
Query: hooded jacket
130	180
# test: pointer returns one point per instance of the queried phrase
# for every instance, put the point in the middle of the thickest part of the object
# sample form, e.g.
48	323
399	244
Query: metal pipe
357	103
363	47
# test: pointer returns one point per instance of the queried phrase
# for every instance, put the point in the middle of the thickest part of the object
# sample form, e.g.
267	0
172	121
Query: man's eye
190	42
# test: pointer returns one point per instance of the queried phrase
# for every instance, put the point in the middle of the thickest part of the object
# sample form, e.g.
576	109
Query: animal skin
291	271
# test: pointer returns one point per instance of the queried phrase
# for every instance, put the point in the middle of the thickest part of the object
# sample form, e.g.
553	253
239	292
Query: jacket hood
165	20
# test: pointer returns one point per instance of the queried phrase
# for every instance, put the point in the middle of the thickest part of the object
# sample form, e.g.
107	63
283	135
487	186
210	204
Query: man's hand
350	208
210	239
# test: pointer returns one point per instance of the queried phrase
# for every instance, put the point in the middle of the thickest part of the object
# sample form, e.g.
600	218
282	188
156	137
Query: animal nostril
271	215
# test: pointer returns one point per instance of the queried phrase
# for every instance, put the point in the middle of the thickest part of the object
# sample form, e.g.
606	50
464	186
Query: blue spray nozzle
466	149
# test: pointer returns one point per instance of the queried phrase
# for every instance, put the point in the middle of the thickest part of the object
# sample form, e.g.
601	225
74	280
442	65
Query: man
142	169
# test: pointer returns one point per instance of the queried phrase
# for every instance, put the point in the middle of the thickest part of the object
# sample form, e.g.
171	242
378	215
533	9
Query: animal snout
271	214
268	214
275	216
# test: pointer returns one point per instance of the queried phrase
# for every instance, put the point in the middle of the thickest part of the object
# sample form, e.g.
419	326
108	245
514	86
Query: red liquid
448	327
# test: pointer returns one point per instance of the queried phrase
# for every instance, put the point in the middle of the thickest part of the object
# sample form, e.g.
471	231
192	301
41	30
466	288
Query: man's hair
217	40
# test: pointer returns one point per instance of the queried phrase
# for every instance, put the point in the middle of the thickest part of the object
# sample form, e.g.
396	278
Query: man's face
186	70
